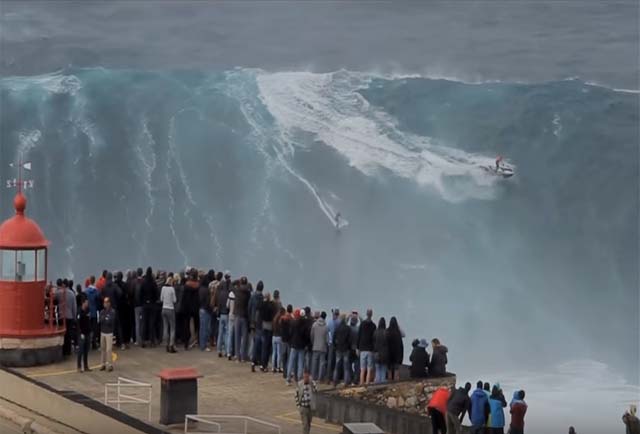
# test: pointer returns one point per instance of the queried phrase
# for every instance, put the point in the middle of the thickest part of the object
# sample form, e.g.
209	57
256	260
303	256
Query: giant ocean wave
245	169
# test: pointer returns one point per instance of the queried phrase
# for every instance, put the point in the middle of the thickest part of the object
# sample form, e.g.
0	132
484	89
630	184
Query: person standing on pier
319	338
84	336
108	324
94	306
169	299
306	401
366	343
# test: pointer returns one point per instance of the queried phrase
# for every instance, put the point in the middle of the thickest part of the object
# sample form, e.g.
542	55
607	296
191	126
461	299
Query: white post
150	395
118	394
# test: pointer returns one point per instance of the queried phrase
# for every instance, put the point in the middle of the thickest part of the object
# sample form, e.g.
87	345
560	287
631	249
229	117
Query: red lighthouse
27	337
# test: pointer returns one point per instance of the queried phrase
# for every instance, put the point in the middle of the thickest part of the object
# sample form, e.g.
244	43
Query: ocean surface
230	134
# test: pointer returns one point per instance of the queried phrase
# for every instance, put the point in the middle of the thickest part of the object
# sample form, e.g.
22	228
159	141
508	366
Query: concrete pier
226	388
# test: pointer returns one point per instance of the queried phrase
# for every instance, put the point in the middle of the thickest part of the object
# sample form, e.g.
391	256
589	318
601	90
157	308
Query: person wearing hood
419	360
458	405
518	409
366	344
438	365
479	410
381	351
496	405
437	408
149	295
319	342
631	421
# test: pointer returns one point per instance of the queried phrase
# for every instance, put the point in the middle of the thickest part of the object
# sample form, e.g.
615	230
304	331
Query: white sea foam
27	141
57	83
557	126
329	107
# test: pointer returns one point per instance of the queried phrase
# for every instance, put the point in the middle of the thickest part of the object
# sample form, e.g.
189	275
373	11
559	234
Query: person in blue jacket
479	411
496	405
94	306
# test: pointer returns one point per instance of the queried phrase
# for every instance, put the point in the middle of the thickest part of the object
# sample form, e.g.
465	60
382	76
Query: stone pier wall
397	408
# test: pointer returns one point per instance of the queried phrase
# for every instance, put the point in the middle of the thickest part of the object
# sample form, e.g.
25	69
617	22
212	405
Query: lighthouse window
8	266
41	264
26	266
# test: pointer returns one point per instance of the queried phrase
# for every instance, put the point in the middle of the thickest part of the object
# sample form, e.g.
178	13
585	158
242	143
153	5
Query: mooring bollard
178	394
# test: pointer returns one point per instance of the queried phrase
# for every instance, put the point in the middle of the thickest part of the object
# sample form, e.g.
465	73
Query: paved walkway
227	388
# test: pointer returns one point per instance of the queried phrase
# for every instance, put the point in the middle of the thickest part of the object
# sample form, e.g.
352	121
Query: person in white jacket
168	299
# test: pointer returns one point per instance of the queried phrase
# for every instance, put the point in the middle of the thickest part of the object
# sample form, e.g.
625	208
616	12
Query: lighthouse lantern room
31	319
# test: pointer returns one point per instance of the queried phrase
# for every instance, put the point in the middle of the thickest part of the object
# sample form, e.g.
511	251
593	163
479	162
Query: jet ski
503	171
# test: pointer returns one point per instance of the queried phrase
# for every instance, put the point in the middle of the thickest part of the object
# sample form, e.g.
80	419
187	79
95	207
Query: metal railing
122	398
209	420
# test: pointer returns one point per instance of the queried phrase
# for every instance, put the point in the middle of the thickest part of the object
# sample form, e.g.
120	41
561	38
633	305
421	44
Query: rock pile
408	396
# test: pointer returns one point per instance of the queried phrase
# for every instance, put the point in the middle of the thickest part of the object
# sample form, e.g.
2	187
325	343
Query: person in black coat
419	360
124	311
438	366
149	296
396	347
381	350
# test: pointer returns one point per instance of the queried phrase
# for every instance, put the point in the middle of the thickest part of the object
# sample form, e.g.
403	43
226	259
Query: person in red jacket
518	410
437	409
102	281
